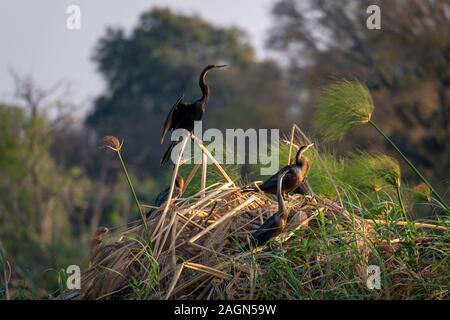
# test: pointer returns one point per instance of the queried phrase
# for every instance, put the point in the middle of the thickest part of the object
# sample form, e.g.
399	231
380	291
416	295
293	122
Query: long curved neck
298	157
281	208
204	86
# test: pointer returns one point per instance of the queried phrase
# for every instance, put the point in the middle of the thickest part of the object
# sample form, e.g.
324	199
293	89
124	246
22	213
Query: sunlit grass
342	106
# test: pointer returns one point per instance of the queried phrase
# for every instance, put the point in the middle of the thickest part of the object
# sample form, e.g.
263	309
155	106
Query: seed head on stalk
345	105
342	107
113	143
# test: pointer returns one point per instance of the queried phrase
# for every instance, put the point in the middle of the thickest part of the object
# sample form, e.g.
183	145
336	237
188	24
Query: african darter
276	223
182	115
296	173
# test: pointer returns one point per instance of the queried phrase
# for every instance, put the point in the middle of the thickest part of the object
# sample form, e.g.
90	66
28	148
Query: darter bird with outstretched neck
304	188
295	174
182	115
276	223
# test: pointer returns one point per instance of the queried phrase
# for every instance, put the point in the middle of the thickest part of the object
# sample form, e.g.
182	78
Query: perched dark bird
296	173
276	223
162	197
182	115
304	188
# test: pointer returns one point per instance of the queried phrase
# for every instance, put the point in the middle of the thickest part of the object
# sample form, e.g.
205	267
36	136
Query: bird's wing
271	183
304	188
290	180
162	197
266	231
171	117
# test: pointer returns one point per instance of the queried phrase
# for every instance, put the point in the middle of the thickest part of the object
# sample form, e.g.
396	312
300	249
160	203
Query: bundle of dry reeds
198	246
192	248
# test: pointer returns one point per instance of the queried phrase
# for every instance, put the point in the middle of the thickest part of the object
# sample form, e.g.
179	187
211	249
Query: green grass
369	186
321	262
345	105
342	106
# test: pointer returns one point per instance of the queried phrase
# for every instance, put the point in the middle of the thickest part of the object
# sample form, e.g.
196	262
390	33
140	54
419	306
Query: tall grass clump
345	105
375	172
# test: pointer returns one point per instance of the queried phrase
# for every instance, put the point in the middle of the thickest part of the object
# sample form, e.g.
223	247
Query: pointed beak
308	146
221	66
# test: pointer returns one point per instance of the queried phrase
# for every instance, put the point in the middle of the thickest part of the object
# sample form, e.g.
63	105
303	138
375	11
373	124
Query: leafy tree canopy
147	70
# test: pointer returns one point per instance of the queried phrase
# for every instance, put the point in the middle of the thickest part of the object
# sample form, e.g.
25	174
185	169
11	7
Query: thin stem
133	192
400	200
421	177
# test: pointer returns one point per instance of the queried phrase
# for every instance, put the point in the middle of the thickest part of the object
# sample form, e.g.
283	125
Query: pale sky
35	40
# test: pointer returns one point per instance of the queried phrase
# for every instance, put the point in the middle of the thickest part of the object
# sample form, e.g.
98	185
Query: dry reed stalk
206	290
176	276
207	249
165	272
212	195
208	270
291	144
172	186
224	218
213	160
173	241
204	171
182	202
191	176
416	224
189	220
199	277
160	245
252	219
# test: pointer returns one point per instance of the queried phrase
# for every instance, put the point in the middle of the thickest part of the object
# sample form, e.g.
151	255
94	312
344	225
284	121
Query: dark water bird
304	188
276	223
296	173
182	115
162	197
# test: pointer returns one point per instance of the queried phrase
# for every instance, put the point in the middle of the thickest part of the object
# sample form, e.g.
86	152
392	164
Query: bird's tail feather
168	153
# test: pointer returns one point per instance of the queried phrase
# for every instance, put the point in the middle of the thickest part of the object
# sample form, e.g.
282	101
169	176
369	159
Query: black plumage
182	115
276	223
304	189
295	174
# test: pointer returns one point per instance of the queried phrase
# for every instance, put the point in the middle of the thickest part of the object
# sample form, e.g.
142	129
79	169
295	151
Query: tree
146	72
49	206
406	65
